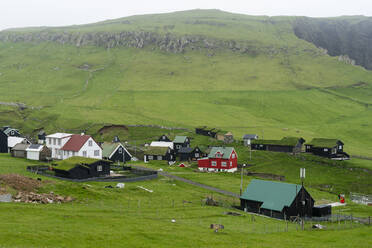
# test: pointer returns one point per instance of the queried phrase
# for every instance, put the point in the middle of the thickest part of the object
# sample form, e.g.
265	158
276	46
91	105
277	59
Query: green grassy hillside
239	73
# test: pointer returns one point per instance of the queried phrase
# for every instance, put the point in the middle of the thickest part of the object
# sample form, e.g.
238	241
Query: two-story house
219	159
55	142
81	145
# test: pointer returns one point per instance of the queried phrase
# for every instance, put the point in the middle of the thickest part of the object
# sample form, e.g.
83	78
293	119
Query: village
80	157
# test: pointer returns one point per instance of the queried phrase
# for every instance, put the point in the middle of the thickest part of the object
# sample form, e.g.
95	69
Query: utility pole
303	202
241	179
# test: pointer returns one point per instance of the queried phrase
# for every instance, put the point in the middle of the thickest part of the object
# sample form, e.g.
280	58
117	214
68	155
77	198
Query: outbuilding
277	199
38	152
247	139
329	148
286	144
19	150
14	140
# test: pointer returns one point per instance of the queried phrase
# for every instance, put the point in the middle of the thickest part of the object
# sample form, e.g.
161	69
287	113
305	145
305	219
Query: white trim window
54	141
233	155
160	157
99	168
223	164
96	153
197	155
178	146
90	143
59	142
326	149
84	153
120	150
150	157
214	163
230	163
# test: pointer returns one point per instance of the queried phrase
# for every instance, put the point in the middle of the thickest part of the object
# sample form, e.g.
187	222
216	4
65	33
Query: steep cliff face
351	36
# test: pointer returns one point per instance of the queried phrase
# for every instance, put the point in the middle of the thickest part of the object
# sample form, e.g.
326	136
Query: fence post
351	220
369	220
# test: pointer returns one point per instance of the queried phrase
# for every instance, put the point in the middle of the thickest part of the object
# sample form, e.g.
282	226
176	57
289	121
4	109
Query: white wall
33	155
56	148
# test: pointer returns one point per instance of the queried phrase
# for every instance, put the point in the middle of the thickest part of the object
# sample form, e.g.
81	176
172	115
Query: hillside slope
240	73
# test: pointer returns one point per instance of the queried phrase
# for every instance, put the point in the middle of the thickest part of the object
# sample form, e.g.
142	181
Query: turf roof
286	141
108	148
154	150
321	142
72	162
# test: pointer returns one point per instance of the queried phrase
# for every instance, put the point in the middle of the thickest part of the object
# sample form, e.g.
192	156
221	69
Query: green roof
286	141
226	151
273	195
108	148
180	139
72	162
321	142
154	150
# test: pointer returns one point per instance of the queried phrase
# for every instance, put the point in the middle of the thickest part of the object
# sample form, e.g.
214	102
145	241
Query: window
178	146
50	141
214	163
99	168
340	147
233	155
223	164
84	153
150	157
326	149
59	142
230	163
160	157
90	143
96	153
196	155
120	150
54	141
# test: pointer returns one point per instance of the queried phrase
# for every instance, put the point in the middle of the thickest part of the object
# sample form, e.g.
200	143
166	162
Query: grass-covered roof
322	142
72	162
154	150
286	141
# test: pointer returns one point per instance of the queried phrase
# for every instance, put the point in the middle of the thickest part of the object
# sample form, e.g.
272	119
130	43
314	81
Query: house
228	138
247	138
164	138
14	140
276	199
159	153
181	141
11	132
115	152
190	154
19	150
219	159
82	168
55	142
162	144
3	142
81	145
38	152
41	137
207	131
286	144
329	148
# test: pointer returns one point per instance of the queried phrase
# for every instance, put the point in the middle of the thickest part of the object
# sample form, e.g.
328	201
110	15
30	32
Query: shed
13	140
19	150
329	148
247	138
38	152
115	152
276	199
286	144
82	168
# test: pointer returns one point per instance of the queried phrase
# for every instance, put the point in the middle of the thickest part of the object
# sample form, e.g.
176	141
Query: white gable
12	141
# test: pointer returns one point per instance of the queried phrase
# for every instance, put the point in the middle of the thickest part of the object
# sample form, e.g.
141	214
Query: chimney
82	133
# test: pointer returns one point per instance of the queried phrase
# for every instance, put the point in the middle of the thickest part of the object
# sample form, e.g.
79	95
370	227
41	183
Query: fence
361	199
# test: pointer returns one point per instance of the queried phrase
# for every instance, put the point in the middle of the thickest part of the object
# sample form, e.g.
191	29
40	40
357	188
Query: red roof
75	142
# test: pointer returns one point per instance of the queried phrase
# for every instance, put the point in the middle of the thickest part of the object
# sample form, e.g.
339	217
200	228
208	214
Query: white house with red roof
55	142
81	145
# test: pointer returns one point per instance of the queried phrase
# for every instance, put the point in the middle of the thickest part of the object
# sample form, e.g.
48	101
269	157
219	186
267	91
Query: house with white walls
55	142
81	145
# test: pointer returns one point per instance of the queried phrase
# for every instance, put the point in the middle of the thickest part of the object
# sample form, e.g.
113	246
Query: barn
19	150
82	168
329	148
180	142
219	159
115	152
190	154
38	152
159	153
286	144
276	199
3	142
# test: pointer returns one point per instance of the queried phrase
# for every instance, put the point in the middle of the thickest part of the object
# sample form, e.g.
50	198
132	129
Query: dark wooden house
159	153
207	131
115	152
329	148
82	168
277	199
19	150
180	142
287	144
41	137
3	142
190	154
11	132
164	138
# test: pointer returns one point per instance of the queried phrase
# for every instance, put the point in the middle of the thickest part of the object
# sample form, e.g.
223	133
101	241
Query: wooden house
82	168
329	148
207	131
190	154
164	138
55	142
11	132
287	144
247	139
19	150
219	159
38	152
276	199
180	142
3	142
159	153
115	152
228	138
81	145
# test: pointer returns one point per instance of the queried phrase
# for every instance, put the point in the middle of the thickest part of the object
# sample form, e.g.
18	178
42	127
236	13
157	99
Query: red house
219	159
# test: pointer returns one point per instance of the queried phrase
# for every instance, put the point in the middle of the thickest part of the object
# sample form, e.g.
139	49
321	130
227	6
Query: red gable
75	142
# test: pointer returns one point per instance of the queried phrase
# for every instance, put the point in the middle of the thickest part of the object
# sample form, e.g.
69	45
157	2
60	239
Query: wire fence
361	199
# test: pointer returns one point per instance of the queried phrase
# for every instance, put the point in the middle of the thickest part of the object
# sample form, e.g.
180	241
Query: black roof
249	136
185	150
35	146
